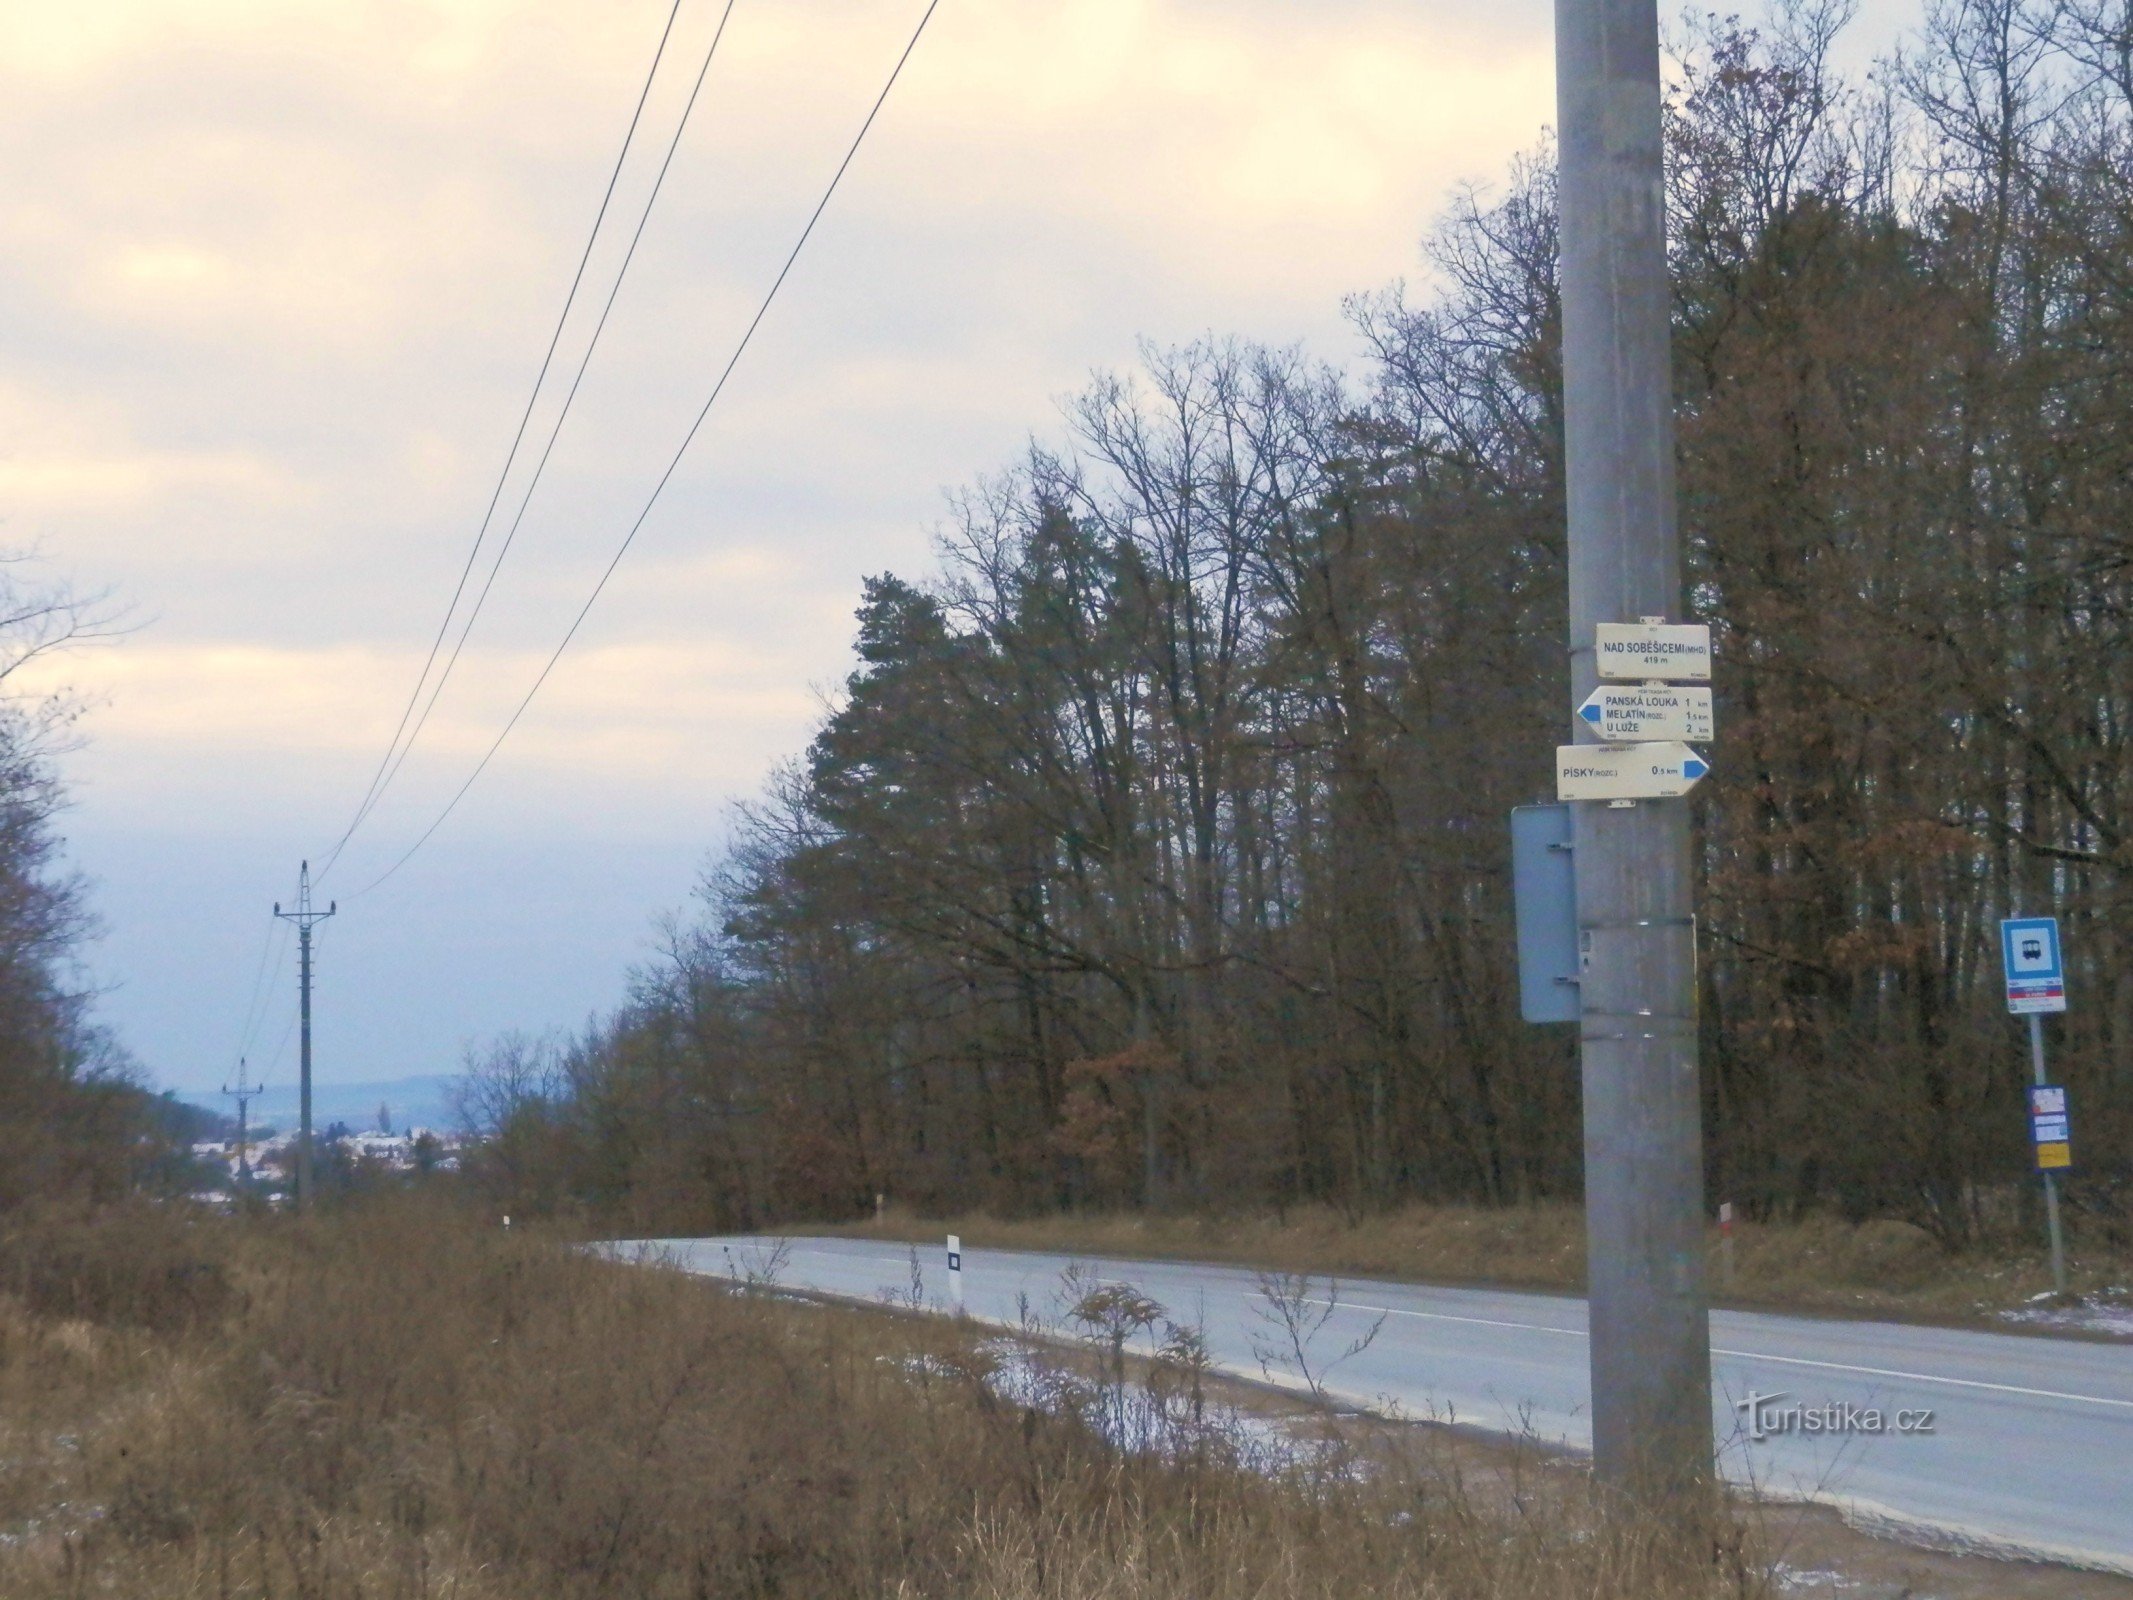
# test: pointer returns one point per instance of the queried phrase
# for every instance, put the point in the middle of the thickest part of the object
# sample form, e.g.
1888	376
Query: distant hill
420	1102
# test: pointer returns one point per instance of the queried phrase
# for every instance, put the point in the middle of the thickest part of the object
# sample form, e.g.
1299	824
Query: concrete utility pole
1651	1348
242	1094
304	917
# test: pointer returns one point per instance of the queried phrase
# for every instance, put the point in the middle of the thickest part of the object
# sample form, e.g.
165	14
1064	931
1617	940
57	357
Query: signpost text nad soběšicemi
2035	967
1652	650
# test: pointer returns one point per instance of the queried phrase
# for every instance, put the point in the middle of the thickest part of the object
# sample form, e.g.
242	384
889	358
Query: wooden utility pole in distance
242	1094
304	918
1651	1348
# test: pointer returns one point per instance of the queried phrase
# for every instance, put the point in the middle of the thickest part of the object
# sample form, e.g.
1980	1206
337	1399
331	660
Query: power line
275	944
511	457
665	477
548	449
269	1078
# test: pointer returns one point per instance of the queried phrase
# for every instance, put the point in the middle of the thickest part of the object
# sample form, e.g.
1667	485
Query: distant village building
273	1159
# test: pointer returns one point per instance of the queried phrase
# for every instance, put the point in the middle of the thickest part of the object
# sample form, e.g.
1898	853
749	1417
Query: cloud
61	457
302	258
275	276
334	178
619	710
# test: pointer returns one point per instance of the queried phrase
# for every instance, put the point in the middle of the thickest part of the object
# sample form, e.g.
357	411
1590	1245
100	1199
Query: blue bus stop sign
2035	969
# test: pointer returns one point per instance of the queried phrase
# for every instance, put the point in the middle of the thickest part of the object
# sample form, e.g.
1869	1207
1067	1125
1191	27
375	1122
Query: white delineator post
955	1270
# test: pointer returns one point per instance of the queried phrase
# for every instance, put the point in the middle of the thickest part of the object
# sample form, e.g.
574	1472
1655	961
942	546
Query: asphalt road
2026	1446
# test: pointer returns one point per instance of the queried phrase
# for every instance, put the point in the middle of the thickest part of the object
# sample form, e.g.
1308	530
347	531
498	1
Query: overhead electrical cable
674	463
252	1007
562	415
511	457
281	1050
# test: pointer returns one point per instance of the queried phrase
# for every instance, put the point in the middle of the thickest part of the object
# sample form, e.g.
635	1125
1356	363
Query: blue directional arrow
1694	767
1590	711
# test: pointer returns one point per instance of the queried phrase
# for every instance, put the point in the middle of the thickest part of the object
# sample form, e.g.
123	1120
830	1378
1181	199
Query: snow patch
2108	1311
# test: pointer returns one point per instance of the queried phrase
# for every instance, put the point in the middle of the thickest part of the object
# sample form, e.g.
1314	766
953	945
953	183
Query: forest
76	1123
1156	853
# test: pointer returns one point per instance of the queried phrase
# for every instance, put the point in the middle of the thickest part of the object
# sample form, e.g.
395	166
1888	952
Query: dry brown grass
1823	1264
401	1403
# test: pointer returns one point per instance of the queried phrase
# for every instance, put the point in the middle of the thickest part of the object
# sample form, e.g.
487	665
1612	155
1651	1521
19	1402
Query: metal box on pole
1545	903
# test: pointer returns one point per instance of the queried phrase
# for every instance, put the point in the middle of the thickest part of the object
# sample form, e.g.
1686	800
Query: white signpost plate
1626	771
1629	715
1649	650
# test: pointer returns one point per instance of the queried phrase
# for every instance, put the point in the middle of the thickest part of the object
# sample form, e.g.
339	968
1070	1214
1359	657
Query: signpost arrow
1626	771
1658	711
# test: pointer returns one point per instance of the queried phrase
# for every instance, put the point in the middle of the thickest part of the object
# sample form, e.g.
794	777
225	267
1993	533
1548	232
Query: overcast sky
275	276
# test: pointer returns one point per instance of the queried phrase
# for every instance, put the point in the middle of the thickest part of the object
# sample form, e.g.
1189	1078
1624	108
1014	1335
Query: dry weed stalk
404	1404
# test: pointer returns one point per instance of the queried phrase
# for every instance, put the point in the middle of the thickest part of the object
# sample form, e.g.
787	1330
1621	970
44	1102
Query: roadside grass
399	1401
1820	1264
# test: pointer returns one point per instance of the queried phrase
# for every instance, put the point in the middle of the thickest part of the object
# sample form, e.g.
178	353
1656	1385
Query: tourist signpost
1626	771
1644	727
1634	713
1648	650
